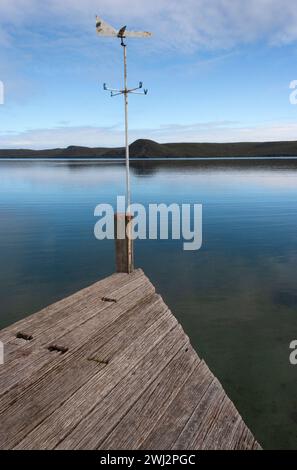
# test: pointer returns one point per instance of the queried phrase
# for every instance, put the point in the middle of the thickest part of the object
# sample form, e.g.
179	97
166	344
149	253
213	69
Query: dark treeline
148	148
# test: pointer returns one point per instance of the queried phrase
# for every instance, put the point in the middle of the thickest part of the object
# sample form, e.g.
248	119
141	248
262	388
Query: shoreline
148	149
150	159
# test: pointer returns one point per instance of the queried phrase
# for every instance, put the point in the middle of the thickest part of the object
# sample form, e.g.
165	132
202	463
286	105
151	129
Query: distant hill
148	148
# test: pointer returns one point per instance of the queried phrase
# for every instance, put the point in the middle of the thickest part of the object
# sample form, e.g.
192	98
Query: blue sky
217	71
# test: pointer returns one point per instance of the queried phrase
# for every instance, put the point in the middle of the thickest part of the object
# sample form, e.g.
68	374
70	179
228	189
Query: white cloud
28	26
113	136
187	24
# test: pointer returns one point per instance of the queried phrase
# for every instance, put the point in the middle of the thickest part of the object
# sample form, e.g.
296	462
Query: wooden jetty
111	368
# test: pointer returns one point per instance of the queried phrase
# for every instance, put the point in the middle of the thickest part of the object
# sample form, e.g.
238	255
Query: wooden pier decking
111	368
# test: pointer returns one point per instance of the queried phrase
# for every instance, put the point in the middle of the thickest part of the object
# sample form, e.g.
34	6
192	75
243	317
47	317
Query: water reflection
236	297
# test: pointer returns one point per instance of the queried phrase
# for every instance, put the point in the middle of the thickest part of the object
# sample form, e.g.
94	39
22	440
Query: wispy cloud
190	24
216	131
51	46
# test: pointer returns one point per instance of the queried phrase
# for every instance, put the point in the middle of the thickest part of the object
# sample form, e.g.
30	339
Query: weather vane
104	29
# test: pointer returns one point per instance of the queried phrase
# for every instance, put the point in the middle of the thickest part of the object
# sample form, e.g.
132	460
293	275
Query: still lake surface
236	297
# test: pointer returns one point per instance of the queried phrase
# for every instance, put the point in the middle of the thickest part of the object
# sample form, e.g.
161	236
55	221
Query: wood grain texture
37	361
128	377
123	246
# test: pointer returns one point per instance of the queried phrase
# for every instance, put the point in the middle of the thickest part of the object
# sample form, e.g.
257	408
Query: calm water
236	297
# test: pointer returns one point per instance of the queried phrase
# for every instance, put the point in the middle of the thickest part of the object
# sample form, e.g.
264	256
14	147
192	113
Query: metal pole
128	192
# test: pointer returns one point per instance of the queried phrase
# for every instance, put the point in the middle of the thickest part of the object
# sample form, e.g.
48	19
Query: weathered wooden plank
48	393
91	431
88	394
212	424
73	314
222	427
137	424
55	324
46	362
60	305
201	418
243	438
128	379
40	360
72	317
171	423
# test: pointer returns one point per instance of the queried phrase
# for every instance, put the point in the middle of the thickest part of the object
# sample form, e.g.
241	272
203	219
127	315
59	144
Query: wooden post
123	243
